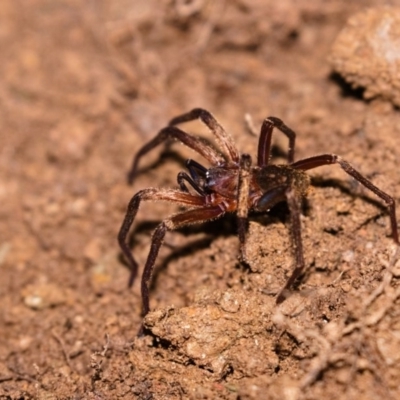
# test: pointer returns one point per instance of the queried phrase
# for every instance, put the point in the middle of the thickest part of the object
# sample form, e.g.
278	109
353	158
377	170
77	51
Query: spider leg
264	143
327	159
172	132
186	218
294	201
224	139
243	201
197	173
133	207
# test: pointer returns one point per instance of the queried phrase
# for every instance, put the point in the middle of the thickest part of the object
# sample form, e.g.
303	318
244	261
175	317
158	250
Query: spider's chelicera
232	184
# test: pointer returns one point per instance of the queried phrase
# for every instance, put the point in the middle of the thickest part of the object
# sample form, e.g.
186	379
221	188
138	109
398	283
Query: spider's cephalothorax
232	184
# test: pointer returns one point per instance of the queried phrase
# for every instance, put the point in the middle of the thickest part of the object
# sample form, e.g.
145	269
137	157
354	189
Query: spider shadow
168	154
348	189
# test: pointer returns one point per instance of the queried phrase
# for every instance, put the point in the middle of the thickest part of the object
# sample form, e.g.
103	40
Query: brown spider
232	184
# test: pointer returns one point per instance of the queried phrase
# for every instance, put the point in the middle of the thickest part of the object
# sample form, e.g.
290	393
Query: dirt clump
366	53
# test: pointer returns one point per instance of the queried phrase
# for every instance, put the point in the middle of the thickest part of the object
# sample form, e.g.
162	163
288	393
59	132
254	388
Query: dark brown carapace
232	184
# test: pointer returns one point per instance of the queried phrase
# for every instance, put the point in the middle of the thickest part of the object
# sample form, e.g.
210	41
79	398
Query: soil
84	85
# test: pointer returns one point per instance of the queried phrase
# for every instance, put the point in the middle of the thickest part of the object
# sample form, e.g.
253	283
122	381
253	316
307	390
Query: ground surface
83	85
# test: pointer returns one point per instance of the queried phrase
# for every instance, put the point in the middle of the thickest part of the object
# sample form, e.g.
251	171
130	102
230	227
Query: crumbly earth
84	85
367	52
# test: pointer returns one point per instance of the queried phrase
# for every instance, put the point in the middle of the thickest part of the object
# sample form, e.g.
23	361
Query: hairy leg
242	201
171	132
294	207
327	159
224	139
133	207
186	218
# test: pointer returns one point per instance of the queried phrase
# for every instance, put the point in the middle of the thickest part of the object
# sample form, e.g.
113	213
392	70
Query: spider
232	184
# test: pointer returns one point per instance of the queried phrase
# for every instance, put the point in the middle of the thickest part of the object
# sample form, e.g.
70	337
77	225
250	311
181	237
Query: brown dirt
84	84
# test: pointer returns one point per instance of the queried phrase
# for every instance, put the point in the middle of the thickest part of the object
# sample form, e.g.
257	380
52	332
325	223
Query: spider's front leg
177	221
175	196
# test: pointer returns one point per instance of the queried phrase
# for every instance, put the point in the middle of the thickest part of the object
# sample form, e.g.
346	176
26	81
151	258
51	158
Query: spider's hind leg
328	159
243	203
